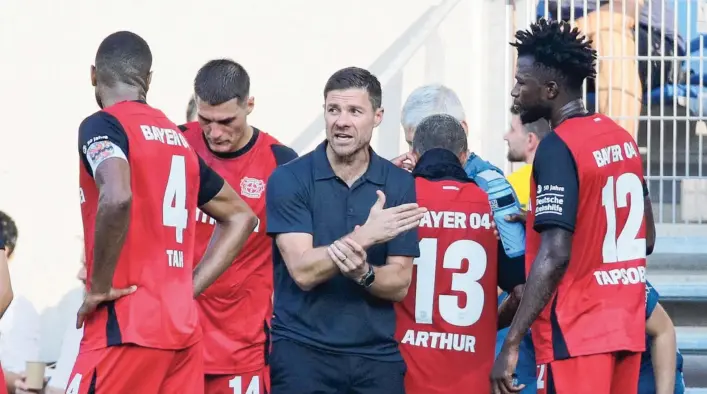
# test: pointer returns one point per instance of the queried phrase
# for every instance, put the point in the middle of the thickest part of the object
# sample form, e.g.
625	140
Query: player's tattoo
112	220
548	269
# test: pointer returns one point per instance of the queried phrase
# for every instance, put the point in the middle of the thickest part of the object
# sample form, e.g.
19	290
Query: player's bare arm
112	178
547	270
650	224
509	306
660	329
235	221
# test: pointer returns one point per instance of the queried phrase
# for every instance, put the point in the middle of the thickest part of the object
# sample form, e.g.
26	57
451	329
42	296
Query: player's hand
503	372
514	218
406	161
350	257
92	300
383	225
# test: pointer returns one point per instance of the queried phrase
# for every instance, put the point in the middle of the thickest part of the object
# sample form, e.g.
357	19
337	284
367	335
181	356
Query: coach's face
350	119
517	139
531	95
225	125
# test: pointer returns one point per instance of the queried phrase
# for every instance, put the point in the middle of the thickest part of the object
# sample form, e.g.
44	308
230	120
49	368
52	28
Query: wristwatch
368	278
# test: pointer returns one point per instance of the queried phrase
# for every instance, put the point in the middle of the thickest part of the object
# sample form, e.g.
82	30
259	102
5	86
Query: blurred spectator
19	326
191	110
614	37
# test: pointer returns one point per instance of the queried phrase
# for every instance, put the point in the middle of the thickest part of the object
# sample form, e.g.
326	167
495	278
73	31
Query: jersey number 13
466	282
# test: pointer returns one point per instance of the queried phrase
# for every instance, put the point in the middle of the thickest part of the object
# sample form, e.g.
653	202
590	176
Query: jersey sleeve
283	154
652	298
555	175
101	137
287	204
511	270
210	183
406	244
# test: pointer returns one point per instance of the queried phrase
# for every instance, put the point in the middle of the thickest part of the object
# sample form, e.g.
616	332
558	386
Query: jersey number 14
465	282
174	205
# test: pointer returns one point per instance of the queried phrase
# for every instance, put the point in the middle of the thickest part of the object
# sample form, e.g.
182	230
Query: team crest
252	188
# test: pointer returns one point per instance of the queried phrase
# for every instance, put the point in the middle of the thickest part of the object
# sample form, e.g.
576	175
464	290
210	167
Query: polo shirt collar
323	170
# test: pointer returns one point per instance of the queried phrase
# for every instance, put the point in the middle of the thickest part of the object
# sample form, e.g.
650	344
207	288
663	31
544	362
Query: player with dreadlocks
586	308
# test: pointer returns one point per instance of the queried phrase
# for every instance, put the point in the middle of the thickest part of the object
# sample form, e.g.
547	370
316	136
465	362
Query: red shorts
130	369
256	382
607	373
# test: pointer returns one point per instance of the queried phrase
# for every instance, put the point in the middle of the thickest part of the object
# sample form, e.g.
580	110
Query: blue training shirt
646	380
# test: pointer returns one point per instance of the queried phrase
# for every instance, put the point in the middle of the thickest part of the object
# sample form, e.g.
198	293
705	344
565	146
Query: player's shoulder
190	128
100	118
281	153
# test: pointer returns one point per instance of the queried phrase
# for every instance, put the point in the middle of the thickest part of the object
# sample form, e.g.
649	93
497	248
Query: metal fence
651	79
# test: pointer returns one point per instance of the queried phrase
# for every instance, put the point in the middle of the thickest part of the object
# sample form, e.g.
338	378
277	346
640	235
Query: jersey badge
252	188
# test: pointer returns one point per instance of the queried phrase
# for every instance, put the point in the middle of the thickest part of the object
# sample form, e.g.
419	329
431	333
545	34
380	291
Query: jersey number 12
465	282
627	189
174	205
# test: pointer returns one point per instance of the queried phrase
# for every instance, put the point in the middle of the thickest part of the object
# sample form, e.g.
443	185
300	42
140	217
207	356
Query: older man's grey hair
430	100
440	131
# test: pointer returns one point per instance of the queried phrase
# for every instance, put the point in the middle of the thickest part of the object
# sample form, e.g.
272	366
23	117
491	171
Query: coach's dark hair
560	48
440	131
356	78
191	109
124	57
9	232
222	80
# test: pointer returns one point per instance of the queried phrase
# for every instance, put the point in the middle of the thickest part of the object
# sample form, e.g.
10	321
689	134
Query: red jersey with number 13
446	325
599	305
158	252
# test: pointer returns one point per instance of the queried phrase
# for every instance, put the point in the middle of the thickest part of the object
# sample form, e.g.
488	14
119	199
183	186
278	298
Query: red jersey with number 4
599	306
446	325
235	310
157	256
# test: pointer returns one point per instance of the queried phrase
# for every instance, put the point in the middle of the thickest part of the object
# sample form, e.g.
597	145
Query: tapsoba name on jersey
459	220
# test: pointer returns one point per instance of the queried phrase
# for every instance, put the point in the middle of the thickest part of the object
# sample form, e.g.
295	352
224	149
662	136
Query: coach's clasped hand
350	257
91	301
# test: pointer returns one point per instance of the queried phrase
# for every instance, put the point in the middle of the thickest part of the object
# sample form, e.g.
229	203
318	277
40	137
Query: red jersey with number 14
599	306
446	325
157	256
236	309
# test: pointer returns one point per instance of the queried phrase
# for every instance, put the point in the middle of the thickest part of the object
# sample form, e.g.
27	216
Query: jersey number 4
174	205
627	189
466	282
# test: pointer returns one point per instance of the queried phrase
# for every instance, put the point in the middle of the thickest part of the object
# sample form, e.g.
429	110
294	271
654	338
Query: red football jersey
235	311
447	324
599	306
158	252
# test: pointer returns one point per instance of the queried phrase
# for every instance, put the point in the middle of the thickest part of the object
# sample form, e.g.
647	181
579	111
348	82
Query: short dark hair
561	48
222	80
191	109
9	232
440	131
124	57
356	78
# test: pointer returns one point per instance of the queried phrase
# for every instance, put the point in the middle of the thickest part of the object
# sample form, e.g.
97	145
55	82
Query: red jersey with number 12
599	306
157	256
446	325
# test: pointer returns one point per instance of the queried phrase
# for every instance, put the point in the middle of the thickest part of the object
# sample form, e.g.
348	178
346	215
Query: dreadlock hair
560	48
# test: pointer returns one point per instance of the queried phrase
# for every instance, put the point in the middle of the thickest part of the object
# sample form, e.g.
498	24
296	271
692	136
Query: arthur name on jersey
440	340
456	220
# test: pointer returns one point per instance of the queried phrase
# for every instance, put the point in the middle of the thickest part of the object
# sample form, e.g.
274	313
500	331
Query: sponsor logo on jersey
252	188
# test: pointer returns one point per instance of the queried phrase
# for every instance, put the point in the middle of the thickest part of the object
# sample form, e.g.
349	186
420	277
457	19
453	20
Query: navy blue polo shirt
305	196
